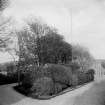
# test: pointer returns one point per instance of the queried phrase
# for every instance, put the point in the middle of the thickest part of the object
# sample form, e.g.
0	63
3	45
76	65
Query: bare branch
3	4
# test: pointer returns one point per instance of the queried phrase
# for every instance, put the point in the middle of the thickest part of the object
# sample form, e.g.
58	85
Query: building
99	70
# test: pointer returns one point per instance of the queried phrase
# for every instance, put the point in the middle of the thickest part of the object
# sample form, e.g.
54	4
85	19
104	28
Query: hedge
50	80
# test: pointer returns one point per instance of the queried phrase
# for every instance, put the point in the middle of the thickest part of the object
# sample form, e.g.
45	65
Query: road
91	94
94	96
8	95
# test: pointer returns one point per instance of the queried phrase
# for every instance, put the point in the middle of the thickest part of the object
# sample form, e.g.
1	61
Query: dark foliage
52	79
84	77
58	87
61	74
74	80
41	49
40	78
42	86
11	78
52	49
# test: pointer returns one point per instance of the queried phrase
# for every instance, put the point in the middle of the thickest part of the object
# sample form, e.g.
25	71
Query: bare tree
4	46
6	39
82	57
28	45
3	4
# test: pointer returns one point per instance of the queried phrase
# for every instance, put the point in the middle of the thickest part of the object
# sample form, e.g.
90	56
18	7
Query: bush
32	74
74	66
74	80
90	75
46	81
42	86
58	87
50	80
84	77
11	78
2	79
58	73
61	74
81	78
27	81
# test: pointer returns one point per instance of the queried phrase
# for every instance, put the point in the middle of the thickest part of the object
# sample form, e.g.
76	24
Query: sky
87	18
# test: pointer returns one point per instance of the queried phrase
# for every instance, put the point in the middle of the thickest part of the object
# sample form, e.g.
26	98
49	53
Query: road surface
91	94
94	96
8	96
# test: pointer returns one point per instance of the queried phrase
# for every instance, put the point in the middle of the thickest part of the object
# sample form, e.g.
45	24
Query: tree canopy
43	44
53	49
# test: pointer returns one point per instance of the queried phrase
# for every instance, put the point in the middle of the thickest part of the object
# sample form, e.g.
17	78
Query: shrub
81	78
11	78
30	76
27	81
57	88
84	77
42	86
74	80
61	74
90	75
58	73
74	66
2	79
46	81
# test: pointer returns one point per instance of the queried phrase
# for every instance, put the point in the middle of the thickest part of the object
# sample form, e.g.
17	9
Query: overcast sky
88	19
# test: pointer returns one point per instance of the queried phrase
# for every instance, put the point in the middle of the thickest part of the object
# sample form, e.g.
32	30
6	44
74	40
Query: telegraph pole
71	35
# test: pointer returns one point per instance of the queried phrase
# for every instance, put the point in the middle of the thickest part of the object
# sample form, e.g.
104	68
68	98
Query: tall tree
41	44
29	41
53	49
